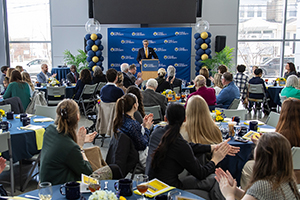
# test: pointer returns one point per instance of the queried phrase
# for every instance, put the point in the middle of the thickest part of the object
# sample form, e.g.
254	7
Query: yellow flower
164	93
122	198
170	92
2	112
218	112
219	118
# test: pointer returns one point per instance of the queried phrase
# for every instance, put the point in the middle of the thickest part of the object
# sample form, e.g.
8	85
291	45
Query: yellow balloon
204	35
94	68
95	48
203	57
94	36
95	59
203	46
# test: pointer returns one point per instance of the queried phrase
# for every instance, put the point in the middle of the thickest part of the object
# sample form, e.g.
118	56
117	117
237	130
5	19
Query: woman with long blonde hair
200	128
218	86
26	78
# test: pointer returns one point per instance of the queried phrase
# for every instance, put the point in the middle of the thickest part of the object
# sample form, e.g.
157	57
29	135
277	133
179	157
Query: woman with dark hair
84	78
140	113
290	70
174	154
119	82
18	88
273	175
98	76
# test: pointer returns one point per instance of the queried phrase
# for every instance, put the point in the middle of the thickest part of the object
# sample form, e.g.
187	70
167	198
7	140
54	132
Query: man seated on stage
110	92
43	76
126	81
146	52
229	91
73	76
131	72
152	98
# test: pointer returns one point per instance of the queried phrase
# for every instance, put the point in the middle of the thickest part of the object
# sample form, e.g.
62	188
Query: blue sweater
227	95
78	90
110	93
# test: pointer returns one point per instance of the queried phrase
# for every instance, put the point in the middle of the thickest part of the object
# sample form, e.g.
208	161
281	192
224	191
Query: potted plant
78	60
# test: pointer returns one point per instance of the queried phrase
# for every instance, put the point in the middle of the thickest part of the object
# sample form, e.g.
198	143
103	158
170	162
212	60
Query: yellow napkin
28	115
46	119
39	135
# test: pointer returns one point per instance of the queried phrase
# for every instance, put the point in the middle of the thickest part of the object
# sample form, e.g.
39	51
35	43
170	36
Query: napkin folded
46	119
39	134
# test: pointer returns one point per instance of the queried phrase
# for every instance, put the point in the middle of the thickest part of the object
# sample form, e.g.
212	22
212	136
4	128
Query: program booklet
155	187
248	135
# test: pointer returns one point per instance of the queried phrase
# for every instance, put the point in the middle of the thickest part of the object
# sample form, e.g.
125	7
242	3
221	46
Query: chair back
282	98
88	89
4	141
256	89
296	157
55	94
47	111
231	113
234	104
99	86
273	119
6	107
176	90
156	112
105	119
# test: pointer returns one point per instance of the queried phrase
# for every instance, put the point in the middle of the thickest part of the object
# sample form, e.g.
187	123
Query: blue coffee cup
253	125
25	121
5	125
72	190
124	187
22	116
10	115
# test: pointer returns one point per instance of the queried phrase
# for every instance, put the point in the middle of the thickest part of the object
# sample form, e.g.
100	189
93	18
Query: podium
149	68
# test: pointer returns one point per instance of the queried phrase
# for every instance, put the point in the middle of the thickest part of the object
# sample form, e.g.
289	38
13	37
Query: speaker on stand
220	43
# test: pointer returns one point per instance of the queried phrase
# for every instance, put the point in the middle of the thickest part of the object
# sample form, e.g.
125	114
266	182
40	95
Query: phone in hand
239	139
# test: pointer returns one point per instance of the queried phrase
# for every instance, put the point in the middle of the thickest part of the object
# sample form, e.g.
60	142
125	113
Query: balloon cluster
94	50
202	47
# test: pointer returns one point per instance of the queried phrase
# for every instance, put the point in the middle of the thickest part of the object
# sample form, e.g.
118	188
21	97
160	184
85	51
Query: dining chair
87	104
296	159
176	90
55	94
234	104
6	107
259	89
156	111
46	111
5	145
282	98
232	113
273	119
98	88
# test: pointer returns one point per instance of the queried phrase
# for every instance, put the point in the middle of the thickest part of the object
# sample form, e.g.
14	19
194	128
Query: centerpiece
53	81
103	194
2	114
217	115
281	81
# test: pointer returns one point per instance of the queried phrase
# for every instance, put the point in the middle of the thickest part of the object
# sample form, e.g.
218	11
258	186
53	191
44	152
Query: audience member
169	154
18	88
207	93
290	70
253	69
110	92
9	72
73	76
257	80
126	80
162	83
174	82
241	80
218	85
4	71
131	72
140	113
84	78
5	84
290	89
26	78
228	93
273	175
44	75
2	164
62	159
119	82
152	98
204	72
200	128
222	69
98	76
19	68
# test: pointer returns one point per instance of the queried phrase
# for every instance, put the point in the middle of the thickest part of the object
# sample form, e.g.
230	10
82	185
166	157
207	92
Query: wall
68	18
3	60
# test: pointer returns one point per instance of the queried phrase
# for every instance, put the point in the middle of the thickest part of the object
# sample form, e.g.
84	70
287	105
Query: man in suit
110	92
73	76
146	52
126	81
131	72
43	76
152	98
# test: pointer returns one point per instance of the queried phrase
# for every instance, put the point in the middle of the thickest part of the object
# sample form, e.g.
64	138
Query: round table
57	195
61	72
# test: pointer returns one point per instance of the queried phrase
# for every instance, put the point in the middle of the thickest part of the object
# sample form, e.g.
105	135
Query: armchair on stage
149	68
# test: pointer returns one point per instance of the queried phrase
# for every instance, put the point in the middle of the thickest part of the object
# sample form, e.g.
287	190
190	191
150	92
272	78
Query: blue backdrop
172	46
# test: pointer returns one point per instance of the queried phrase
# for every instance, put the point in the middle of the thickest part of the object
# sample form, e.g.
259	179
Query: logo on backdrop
159	34
138	34
115	64
134	49
170	57
180	65
116	49
181	33
127	42
170	41
127	57
159	49
116	34
180	49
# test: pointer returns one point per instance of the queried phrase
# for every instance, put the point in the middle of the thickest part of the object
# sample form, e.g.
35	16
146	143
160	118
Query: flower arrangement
218	115
103	195
53	81
281	81
2	114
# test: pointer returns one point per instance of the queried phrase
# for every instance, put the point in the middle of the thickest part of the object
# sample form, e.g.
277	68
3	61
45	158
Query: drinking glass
172	194
45	191
142	184
93	184
178	96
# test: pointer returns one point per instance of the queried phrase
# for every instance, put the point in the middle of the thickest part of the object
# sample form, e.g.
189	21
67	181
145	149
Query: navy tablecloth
57	195
23	142
61	72
70	90
274	92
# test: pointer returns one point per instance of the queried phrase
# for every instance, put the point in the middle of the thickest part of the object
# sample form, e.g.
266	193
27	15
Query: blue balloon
197	73
198	63
91	64
91	53
102	68
99	36
197	57
101	47
99	63
197	68
199	41
208	46
197	35
97	42
87	36
88	47
207	41
209	34
209	56
200	52
89	58
90	42
98	53
101	58
207	51
197	46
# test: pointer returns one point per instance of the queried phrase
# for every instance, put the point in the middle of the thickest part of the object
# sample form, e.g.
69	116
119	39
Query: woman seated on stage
199	128
273	175
84	78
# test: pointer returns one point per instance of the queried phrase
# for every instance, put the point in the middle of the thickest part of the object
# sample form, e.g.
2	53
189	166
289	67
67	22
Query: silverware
105	186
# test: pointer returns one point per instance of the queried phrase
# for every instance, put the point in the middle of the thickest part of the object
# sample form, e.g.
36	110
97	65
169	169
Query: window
29	33
259	13
250	13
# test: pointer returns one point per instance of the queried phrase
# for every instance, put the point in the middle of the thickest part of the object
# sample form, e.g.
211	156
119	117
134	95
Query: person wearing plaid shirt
241	80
